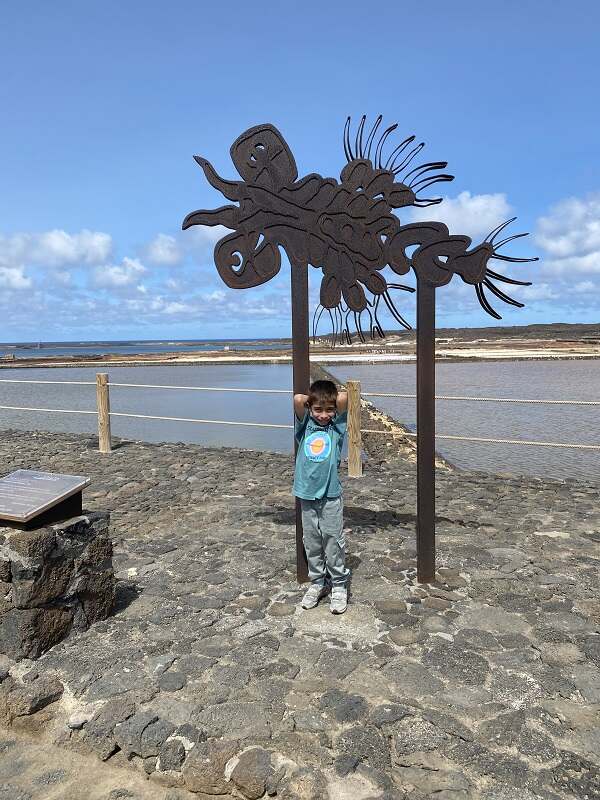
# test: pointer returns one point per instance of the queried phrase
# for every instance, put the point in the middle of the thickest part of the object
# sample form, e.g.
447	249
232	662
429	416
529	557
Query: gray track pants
324	540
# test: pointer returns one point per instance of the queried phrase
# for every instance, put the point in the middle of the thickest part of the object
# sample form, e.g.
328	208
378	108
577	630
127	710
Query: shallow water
233	406
551	380
525	379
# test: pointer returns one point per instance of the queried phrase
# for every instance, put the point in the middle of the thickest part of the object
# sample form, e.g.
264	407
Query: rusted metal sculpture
348	229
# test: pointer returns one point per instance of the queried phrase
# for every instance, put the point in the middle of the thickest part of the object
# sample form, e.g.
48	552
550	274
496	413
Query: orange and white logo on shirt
317	446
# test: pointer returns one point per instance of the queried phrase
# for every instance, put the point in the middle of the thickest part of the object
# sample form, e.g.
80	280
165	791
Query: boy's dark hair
324	392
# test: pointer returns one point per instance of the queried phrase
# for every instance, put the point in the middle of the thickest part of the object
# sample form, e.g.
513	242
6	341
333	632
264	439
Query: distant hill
557	330
561	331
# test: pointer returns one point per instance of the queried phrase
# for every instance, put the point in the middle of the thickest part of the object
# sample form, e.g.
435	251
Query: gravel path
211	680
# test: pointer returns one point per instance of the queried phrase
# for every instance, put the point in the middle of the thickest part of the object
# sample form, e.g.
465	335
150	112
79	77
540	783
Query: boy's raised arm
342	402
300	401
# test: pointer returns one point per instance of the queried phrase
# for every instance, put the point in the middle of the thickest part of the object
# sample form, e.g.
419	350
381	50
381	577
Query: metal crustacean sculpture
347	227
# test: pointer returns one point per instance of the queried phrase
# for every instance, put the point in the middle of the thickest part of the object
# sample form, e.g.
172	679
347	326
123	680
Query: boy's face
323	411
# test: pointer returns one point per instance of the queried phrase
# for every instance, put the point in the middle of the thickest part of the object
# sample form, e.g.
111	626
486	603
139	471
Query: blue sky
105	104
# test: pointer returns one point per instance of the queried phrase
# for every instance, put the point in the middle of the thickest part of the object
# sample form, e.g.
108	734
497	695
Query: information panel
25	494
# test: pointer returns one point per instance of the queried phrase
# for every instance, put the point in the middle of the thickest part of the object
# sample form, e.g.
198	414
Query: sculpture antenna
494	289
498	229
347	147
417	149
397	150
358	147
371	136
380	144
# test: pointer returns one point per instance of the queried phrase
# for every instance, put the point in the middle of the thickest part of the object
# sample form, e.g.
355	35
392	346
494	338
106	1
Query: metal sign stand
425	431
301	381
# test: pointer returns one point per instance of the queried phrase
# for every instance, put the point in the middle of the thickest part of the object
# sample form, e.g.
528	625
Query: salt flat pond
536	380
578	380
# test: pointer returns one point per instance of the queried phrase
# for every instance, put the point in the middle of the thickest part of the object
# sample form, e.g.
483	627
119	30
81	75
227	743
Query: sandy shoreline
527	342
534	342
442	354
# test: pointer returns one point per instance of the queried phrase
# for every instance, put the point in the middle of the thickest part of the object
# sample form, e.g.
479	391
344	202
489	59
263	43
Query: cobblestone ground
210	680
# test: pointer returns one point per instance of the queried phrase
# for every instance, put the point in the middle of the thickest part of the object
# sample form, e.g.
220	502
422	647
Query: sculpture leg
425	432
301	381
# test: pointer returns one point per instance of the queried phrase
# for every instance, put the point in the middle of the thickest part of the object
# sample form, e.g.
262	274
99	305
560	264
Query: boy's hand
300	405
342	402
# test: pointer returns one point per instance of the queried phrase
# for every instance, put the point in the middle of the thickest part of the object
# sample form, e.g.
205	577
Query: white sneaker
339	600
312	596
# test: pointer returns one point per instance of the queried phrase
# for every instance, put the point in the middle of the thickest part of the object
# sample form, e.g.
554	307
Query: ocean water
518	379
44	349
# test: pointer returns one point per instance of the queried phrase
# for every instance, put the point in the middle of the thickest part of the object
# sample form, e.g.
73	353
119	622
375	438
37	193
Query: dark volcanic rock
366	744
251	773
204	768
171	756
128	734
456	663
343	706
59	577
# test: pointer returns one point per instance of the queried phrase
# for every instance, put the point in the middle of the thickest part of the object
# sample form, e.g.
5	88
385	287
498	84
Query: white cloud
117	276
570	236
63	277
262	311
164	251
572	226
583	287
201	239
539	291
473	215
56	248
582	265
14	278
214	297
178	308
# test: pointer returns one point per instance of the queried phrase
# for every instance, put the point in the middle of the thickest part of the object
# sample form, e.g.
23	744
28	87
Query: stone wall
53	580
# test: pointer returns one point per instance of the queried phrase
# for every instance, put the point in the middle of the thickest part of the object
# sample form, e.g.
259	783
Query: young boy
320	427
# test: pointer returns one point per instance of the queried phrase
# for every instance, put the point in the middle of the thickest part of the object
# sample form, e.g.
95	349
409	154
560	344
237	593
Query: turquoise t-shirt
319	455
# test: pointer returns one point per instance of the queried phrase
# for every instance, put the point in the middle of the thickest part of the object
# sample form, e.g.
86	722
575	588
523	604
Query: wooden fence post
103	403
354	436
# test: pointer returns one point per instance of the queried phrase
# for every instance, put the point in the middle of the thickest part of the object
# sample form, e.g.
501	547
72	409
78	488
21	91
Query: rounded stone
171	755
437	603
251	772
78	720
172	681
281	610
405	636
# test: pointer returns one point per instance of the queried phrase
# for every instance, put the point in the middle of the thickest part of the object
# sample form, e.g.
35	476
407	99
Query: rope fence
104	414
489	399
288	391
492	441
53	410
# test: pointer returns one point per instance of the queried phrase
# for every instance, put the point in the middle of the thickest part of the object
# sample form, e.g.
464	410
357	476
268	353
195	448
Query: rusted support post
425	431
301	382
354	435
103	403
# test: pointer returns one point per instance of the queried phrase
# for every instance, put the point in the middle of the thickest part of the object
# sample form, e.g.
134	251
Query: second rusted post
425	432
